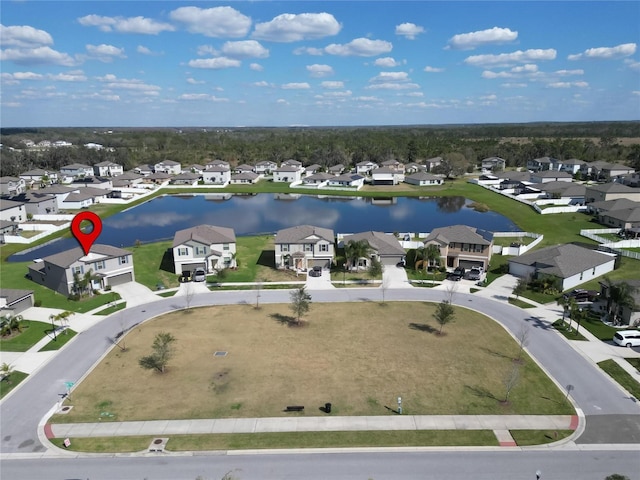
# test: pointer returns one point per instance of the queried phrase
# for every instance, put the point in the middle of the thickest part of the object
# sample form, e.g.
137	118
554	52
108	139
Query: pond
161	217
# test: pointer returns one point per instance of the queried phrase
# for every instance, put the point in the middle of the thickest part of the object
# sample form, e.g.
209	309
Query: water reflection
450	204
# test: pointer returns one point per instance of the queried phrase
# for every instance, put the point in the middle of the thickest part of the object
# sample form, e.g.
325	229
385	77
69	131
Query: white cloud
409	30
632	64
360	47
472	40
111	81
367	99
528	68
296	86
293	28
202	96
567	84
393	86
214	63
36	56
635	92
207	50
318	71
335	84
24	36
414	94
566	73
73	76
193	81
105	53
256	67
514	85
505	59
345	93
261	84
384	77
143	50
21	76
429	69
606	53
308	51
213	22
282	101
386	62
244	49
140	25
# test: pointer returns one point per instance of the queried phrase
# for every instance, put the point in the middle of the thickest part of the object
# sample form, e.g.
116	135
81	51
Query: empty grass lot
358	357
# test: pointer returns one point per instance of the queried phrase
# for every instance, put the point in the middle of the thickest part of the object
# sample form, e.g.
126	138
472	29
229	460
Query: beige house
611	191
304	247
462	246
205	246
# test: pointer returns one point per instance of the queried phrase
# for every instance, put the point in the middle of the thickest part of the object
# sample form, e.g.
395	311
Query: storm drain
64	410
220	354
158	444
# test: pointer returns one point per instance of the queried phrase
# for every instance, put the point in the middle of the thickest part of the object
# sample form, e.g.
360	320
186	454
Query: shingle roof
618	204
613	188
13	295
382	243
461	234
68	257
205	234
422	176
551	174
7	204
301	234
563	260
245	176
319	177
625	214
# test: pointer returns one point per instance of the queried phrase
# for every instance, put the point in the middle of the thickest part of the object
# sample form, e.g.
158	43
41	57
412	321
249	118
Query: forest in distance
616	142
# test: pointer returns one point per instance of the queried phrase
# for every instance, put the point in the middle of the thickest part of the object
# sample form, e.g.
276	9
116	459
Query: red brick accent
574	422
48	431
508	444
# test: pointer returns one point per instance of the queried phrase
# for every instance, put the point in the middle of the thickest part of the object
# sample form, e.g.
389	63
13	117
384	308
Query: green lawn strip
153	265
425	276
112	309
241	441
563	328
287	286
594	325
520	303
621	376
167	294
538	437
12	382
61	339
539	297
635	362
498	266
31	334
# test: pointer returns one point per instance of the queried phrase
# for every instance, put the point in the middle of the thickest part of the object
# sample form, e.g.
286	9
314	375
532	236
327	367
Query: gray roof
563	260
168	162
34	173
618	204
301	234
382	243
567	189
573	161
68	257
130	175
523	176
7	204
186	176
287	168
205	234
551	174
625	214
319	177
315	166
217	168
106	163
461	234
244	166
78	197
13	295
245	176
366	162
58	189
545	160
9	179
347	177
383	170
613	188
422	176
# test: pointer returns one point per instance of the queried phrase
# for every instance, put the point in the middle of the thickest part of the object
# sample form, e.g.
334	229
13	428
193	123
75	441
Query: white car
627	338
199	275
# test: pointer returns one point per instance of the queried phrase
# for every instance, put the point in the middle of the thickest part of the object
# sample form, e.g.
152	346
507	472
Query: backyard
358	357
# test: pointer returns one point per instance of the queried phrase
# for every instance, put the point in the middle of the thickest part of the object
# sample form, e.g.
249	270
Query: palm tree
620	296
356	249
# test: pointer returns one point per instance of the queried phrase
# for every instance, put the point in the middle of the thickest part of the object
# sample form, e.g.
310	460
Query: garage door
120	279
190	267
391	260
470	263
319	263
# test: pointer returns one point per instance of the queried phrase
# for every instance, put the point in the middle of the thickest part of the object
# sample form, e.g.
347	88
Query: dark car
457	274
315	272
580	295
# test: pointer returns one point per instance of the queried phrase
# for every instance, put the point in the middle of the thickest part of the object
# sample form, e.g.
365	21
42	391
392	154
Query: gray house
304	247
384	247
109	266
13	302
205	246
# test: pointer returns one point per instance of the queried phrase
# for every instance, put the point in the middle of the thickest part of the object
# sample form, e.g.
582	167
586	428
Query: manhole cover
220	354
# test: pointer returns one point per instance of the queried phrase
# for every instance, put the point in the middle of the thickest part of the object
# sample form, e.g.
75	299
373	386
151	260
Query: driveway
135	293
323	282
394	277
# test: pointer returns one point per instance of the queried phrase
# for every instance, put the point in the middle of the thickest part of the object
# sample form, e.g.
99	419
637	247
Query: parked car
581	295
315	272
199	275
457	274
474	274
627	338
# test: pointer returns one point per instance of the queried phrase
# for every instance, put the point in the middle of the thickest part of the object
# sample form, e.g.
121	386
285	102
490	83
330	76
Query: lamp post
344	273
399	405
53	328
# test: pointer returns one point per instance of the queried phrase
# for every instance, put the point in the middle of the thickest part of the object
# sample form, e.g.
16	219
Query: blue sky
146	63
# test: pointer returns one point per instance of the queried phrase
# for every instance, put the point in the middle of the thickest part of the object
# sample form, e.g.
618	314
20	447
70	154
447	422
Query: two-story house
387	176
145	169
12	211
204	246
105	265
541	164
168	166
39	177
493	164
304	247
365	167
611	191
12	185
37	202
217	175
265	167
462	246
107	169
287	174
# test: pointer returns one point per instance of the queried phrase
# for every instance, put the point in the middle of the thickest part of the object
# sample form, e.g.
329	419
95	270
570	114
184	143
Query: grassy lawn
153	265
31	334
621	376
358	357
507	241
597	328
520	303
538	437
240	441
413	275
112	309
60	341
539	296
635	362
563	328
498	266
14	380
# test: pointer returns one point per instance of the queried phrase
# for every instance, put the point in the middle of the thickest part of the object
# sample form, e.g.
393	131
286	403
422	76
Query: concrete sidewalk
314	424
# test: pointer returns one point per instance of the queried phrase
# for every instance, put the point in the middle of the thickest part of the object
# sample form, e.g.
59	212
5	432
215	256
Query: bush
37	303
74	297
107	288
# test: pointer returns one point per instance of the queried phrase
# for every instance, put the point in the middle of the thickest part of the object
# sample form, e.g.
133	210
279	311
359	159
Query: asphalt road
592	391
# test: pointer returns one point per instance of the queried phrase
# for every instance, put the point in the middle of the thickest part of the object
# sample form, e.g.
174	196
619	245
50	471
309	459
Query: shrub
37	303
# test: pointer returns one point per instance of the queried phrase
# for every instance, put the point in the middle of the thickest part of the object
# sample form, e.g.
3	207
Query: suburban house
540	164
265	167
626	315
386	176
423	179
292	163
544	176
84	197
625	219
570	263
39	176
77	170
14	302
217	163
430	163
243	168
217	174
365	168
602	170
12	186
317	179
157	178
168	166
127	179
607	205
385	248
493	164
185	178
13	211
336	169
571	166
393	164
109	266
195	168
37	202
287	174
95	182
462	246
312	169
107	169
61	192
245	177
304	247
144	169
350	180
572	193
204	246
611	191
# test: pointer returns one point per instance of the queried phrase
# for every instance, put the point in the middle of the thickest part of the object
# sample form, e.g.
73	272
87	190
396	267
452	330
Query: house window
99	265
124	259
78	270
225	246
201	250
324	247
183	252
308	247
284	247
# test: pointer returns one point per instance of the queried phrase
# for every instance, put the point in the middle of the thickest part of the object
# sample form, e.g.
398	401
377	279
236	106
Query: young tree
163	351
444	314
520	287
300	303
510	381
375	268
6	370
523	340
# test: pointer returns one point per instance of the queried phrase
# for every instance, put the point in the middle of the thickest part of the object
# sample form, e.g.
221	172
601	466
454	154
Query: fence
608	246
500	250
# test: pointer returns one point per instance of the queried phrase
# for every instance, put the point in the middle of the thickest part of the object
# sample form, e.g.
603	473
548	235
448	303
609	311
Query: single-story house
205	246
157	178
626	218
109	266
61	192
571	166
127	179
385	247
336	169
217	174
39	176
107	169
351	180
573	192
414	167
626	315
243	168
386	176
540	164
185	178
96	182
365	167
77	170
245	177
610	205
287	174
14	302
304	247
37	202
12	185
611	191
196	168
570	263
317	179
423	179
12	210
462	246
144	169
168	166
544	176
312	169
